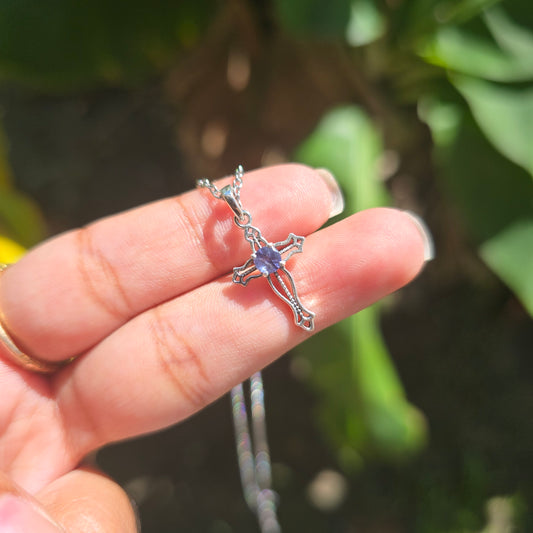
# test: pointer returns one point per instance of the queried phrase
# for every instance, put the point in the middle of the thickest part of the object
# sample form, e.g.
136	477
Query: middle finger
69	293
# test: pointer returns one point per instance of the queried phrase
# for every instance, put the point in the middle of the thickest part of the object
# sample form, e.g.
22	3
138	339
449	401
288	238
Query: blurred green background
412	416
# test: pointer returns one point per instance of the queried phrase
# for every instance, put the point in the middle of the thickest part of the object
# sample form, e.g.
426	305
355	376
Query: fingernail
337	200
429	246
21	516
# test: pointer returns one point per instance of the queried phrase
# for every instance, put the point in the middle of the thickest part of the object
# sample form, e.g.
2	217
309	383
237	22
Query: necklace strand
253	454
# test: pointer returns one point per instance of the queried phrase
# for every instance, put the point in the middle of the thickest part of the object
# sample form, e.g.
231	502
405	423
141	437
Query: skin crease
147	295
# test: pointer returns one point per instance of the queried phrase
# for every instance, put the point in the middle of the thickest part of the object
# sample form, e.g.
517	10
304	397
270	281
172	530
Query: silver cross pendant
268	260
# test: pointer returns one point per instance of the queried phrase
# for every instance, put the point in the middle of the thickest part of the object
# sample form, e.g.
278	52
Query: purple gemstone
267	260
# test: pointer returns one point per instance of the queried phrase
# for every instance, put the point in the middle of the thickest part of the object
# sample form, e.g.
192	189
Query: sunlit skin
146	302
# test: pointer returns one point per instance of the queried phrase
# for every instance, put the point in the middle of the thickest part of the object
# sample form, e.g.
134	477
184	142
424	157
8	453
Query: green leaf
416	20
394	426
20	219
366	23
362	408
314	18
462	10
505	116
347	142
489	192
443	119
502	53
516	40
510	255
5	169
493	196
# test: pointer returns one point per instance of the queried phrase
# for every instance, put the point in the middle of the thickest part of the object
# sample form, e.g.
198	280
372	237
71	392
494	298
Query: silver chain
236	185
253	454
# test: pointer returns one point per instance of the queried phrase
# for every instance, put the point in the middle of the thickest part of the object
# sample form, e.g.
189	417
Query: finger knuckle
100	277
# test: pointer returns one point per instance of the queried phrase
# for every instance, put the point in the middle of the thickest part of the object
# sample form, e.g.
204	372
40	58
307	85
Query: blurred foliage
10	251
495	196
363	407
21	223
313	18
63	45
499	50
475	94
504	115
365	24
510	254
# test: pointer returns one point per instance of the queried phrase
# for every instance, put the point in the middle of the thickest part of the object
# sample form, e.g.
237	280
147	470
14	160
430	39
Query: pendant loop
234	204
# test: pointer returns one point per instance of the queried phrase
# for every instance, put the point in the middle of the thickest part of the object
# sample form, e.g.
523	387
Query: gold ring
17	356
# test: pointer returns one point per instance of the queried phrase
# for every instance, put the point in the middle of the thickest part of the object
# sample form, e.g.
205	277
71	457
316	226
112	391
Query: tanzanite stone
267	260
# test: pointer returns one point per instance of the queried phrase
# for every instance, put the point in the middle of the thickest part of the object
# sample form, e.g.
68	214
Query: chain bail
228	195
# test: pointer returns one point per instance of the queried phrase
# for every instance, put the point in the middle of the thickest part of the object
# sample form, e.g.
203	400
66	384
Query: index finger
72	291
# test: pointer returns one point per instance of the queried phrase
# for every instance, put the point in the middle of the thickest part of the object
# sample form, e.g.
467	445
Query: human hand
145	302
